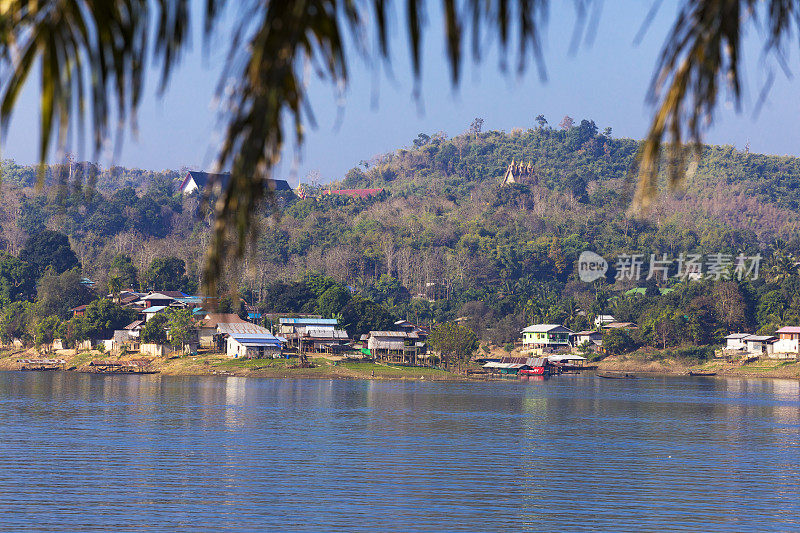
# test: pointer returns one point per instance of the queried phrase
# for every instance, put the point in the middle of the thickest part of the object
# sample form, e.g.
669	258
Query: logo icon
591	266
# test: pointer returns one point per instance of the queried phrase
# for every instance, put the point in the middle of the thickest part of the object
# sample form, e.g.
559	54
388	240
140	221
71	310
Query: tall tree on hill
49	249
56	294
17	279
92	54
124	271
165	274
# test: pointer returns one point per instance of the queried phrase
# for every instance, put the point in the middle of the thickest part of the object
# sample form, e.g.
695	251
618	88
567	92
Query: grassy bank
215	364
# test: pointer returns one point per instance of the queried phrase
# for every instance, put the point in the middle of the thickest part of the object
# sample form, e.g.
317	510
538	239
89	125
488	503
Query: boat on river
616	375
700	373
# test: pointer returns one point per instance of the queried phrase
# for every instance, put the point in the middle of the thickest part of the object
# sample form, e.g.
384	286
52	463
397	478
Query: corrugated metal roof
544	328
760	338
255	339
242	328
401	334
789	329
161	295
738	335
212	319
309	321
155	309
566	358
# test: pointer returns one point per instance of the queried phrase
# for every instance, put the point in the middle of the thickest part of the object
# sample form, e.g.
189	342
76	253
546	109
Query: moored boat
616	375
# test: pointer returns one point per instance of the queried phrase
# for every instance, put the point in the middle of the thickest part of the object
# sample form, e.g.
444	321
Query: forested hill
446	240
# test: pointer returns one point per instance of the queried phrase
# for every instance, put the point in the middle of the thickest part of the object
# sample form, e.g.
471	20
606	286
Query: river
85	452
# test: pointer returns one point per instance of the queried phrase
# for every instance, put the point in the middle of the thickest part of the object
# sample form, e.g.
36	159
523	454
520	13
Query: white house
788	340
253	345
249	340
594	338
735	341
546	336
600	320
760	344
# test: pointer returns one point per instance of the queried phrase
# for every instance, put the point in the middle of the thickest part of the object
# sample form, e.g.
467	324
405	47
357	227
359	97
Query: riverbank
640	363
326	367
216	364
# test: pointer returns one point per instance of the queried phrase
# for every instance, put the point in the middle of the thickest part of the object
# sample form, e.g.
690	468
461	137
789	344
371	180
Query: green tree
618	341
333	300
103	316
56	294
14	319
123	271
454	342
181	327
17	279
361	316
49	249
165	274
46	331
99	49
155	330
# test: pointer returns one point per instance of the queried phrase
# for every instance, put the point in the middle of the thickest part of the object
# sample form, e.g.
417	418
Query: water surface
84	452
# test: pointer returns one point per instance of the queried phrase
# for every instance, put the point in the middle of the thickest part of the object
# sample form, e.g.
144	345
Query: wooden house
551	336
394	346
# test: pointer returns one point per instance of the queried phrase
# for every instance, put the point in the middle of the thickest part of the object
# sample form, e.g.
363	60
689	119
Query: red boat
536	367
535	371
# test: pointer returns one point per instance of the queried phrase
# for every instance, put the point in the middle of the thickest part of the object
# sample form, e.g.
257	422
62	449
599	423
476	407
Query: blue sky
605	81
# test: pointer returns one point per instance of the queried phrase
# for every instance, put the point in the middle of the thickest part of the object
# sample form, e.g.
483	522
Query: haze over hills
446	238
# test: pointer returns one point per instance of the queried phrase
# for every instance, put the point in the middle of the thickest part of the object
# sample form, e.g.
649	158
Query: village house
546	336
207	327
594	338
163	298
410	327
735	341
394	346
760	344
246	340
79	310
788	340
152	311
197	180
601	320
309	333
323	340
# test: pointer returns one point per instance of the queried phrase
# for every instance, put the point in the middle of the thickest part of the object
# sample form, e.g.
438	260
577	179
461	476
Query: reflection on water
81	452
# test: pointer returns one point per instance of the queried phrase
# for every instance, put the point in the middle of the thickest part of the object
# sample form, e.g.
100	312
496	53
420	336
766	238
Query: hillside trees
56	294
49	249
